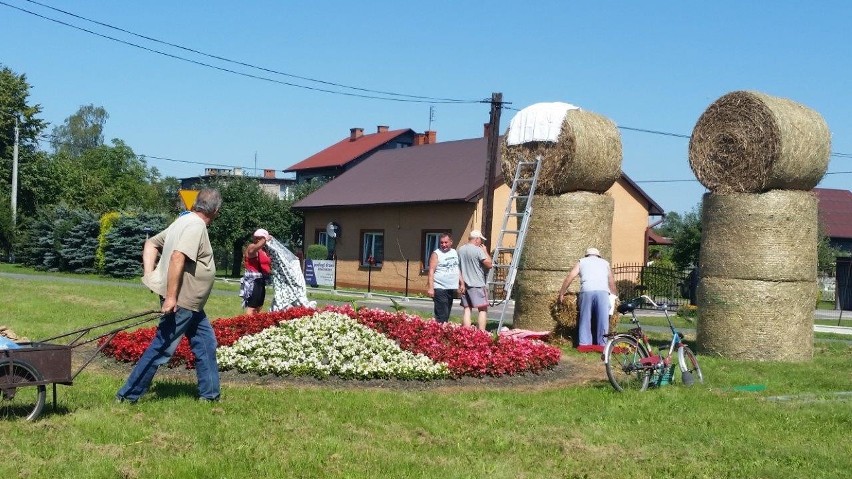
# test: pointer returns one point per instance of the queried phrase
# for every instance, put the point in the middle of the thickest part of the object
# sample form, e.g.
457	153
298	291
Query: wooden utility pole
491	165
14	193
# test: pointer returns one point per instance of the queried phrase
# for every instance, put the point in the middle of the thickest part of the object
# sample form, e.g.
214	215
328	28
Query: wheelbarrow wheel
18	397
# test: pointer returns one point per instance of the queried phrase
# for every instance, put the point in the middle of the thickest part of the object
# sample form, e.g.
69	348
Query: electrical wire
235	72
408	98
249	65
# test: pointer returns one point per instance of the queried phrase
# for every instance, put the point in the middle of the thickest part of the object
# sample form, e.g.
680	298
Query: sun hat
261	233
477	234
592	251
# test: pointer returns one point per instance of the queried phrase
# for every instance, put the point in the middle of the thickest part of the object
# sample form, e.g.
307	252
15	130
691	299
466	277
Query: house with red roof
835	216
349	152
392	206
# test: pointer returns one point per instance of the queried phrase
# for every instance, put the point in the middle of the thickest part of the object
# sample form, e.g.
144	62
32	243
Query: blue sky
647	65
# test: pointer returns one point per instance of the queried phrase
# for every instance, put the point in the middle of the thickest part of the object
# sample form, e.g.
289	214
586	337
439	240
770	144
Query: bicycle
630	363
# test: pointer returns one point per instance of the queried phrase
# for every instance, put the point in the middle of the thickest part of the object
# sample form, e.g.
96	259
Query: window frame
362	250
424	245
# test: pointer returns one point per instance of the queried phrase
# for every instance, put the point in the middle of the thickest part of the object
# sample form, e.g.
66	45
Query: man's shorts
474	297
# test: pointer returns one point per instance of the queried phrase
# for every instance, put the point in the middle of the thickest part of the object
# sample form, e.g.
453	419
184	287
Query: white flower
326	344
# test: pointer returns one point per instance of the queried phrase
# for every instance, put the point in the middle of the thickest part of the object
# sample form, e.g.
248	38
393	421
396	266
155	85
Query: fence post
406	277
369	275
335	273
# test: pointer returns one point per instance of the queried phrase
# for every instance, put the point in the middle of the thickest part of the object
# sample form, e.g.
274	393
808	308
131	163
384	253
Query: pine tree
78	246
123	251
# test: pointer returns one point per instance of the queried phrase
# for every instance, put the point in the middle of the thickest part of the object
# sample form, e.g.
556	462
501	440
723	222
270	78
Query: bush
317	251
626	289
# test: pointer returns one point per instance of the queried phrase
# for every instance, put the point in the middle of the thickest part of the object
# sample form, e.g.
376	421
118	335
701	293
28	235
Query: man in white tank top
596	283
444	277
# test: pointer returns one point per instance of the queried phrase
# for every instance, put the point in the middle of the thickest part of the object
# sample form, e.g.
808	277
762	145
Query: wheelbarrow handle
84	331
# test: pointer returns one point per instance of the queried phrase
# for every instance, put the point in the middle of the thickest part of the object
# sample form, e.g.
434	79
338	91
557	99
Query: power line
237	62
142	155
681	135
228	70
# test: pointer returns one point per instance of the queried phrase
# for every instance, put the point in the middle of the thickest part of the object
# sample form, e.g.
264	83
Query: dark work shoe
211	400
122	399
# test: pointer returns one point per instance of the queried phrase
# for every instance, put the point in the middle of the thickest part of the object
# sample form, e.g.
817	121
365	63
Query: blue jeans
594	311
172	327
443	300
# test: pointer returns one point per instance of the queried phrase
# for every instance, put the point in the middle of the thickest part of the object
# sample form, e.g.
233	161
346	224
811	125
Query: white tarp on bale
538	122
288	282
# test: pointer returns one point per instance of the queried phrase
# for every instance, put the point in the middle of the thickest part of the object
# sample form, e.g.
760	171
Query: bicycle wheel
690	371
622	356
17	398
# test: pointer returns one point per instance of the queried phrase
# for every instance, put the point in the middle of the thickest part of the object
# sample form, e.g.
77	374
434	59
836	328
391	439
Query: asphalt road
423	306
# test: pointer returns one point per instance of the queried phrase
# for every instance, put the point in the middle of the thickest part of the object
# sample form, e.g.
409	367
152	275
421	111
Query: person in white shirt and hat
596	284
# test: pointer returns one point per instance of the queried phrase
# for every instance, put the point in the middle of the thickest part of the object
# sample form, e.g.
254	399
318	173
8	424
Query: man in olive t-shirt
183	277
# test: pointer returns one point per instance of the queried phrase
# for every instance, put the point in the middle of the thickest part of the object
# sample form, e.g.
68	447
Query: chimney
355	133
419	139
381	129
269	173
431	137
486	130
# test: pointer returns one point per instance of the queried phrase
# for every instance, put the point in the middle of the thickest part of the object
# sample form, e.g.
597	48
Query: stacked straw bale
586	156
756	320
768	236
749	142
562	227
758	258
569	214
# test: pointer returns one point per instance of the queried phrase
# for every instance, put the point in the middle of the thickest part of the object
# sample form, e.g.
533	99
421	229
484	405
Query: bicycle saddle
627	307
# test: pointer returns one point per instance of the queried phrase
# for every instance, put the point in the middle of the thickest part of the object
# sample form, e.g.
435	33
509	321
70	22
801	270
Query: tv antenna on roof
431	116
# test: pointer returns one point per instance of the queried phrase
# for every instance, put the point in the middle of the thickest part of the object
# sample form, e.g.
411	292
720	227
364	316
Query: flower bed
324	344
464	351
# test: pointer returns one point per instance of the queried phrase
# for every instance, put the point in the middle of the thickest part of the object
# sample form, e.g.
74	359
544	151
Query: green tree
112	177
826	253
14	93
81	131
245	207
297	218
124	241
686	239
77	247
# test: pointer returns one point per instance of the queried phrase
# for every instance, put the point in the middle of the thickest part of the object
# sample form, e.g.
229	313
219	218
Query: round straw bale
562	227
756	320
586	156
750	142
537	306
767	236
534	292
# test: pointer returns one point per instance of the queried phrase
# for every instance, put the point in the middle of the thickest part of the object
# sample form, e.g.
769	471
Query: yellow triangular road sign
188	197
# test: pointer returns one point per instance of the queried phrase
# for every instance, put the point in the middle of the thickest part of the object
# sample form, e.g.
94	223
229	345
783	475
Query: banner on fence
319	272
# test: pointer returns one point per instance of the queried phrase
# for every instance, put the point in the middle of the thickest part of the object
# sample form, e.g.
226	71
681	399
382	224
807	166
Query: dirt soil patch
573	370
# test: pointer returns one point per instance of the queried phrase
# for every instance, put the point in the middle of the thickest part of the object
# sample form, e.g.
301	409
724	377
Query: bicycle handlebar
655	305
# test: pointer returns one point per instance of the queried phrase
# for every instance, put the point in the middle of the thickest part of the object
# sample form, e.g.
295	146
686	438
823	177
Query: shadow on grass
174	389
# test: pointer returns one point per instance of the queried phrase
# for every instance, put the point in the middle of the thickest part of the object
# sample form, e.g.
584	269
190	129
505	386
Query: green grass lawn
291	429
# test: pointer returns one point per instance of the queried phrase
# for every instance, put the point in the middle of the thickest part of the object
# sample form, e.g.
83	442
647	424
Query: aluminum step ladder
506	259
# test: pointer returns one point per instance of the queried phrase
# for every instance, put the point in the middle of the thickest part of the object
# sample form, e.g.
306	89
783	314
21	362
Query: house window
372	248
323	239
430	244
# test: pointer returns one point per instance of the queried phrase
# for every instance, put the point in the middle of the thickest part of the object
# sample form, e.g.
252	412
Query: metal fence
662	284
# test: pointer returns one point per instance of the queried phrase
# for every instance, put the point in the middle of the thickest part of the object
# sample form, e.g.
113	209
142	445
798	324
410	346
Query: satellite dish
332	229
